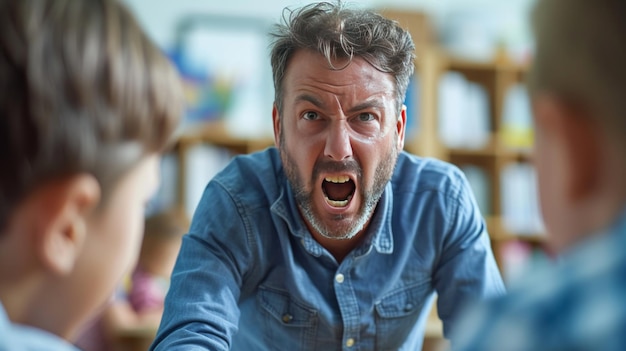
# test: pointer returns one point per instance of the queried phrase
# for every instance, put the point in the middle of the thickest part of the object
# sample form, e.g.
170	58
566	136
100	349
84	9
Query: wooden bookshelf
213	133
496	77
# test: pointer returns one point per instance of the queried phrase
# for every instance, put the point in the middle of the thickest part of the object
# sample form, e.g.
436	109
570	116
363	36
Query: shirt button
350	342
339	278
287	318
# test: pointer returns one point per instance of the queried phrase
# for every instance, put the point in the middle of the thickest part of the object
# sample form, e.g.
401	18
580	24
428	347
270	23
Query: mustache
346	166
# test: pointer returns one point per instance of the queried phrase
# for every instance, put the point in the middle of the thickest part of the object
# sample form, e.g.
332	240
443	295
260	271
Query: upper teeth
337	179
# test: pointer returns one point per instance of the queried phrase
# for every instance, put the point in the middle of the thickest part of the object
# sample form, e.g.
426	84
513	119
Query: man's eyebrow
310	98
366	105
375	103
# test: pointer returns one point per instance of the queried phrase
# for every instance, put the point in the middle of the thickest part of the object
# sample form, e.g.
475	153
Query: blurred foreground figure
87	103
136	309
577	84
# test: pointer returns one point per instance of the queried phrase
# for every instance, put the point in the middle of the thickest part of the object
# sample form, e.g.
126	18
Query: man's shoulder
255	171
266	160
251	181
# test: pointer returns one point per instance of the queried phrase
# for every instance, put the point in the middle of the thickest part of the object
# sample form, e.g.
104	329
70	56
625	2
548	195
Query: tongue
338	191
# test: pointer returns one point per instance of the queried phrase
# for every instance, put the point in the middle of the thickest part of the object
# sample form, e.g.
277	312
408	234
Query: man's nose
338	142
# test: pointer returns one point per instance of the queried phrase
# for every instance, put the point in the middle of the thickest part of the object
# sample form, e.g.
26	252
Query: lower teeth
334	203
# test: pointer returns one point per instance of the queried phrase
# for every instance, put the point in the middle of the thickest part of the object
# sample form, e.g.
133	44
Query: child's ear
574	134
62	221
583	143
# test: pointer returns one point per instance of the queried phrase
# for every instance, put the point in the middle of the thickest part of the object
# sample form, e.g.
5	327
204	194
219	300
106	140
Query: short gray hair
581	56
335	32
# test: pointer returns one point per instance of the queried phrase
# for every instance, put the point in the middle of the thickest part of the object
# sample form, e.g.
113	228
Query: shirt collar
379	234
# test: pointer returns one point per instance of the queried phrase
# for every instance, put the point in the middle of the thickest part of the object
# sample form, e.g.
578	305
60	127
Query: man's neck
339	248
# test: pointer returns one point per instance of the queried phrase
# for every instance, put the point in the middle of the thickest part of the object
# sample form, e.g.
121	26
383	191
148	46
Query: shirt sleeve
201	311
466	270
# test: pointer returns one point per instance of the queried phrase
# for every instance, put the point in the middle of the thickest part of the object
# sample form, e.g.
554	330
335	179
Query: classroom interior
466	104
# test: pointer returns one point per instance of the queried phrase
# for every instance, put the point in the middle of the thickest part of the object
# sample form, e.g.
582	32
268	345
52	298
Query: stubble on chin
337	228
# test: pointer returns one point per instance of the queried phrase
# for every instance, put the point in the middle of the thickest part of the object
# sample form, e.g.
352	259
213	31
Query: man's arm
466	270
201	311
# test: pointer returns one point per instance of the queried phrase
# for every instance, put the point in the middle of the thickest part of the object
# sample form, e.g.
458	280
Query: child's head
161	242
87	103
577	82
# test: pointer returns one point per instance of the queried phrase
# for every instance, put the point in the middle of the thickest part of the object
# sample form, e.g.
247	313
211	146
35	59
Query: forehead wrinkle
321	98
306	97
373	101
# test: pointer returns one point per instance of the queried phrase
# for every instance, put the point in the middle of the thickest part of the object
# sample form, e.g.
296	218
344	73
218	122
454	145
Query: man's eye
310	115
366	117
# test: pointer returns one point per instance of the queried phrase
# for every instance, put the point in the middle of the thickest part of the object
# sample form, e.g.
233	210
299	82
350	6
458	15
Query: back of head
337	32
84	90
581	57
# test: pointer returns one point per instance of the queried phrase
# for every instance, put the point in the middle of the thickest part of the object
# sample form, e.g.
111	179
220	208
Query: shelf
495	148
216	133
496	65
498	233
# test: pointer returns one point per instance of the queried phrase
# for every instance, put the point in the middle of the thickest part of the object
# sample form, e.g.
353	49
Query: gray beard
304	199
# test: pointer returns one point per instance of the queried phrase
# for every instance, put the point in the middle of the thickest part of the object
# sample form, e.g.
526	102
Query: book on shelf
463	112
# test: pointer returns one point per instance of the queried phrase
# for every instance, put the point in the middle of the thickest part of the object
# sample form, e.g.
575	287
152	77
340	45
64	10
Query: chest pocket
397	313
291	325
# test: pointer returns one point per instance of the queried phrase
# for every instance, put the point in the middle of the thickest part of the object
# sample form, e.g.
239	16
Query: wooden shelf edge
498	233
216	133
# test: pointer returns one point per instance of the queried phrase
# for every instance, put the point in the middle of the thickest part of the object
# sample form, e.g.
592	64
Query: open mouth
338	190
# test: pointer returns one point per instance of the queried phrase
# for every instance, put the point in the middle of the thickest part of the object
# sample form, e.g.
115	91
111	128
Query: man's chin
336	230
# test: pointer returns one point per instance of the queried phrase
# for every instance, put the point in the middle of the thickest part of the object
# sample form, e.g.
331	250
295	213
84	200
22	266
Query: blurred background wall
496	20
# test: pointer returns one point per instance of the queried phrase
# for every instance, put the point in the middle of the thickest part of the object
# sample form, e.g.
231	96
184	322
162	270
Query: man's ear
578	137
276	123
64	207
401	127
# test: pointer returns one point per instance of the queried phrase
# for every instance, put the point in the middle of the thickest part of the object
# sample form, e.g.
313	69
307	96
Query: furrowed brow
373	103
310	98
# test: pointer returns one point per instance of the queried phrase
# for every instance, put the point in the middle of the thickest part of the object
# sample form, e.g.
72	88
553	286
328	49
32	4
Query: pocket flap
289	312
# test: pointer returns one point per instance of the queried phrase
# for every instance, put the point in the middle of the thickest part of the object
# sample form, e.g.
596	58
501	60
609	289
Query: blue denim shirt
16	337
251	277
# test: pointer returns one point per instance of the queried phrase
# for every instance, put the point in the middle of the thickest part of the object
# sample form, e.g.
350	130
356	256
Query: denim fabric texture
574	303
250	276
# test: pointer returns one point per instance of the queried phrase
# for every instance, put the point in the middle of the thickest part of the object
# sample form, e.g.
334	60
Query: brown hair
581	57
83	90
337	32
